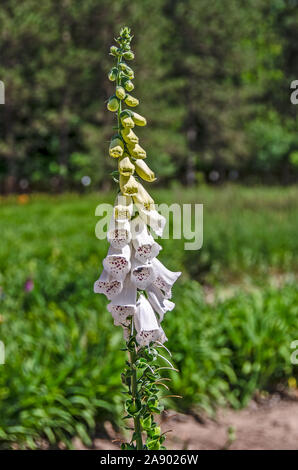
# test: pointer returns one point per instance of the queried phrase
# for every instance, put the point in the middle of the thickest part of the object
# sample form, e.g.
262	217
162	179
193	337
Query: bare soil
267	425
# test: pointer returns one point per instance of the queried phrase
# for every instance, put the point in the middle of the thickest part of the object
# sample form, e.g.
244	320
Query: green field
230	334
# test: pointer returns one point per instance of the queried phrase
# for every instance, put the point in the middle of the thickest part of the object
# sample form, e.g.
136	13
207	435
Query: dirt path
271	425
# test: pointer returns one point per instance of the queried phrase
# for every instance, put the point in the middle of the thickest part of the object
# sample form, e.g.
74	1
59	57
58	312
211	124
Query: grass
62	371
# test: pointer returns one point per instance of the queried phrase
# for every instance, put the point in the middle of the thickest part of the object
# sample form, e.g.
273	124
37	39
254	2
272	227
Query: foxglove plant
136	283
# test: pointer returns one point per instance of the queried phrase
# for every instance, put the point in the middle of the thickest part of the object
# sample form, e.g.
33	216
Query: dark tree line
214	77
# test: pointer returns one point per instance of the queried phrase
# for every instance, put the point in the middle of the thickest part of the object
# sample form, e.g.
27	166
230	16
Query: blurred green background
213	77
214	80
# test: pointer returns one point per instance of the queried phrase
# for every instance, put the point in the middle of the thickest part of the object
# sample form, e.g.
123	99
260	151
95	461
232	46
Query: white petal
145	317
123	207
164	278
119	233
158	301
107	285
124	304
148	329
144	244
142	274
117	262
152	218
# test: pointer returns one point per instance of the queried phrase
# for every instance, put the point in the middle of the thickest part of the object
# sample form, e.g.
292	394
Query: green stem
118	83
134	393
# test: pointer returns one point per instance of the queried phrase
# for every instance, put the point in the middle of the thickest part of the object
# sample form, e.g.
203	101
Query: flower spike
136	283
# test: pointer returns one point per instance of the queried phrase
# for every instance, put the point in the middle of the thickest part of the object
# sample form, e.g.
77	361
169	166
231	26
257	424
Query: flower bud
113	74
128	185
143	198
113	104
136	151
126	168
131	101
129	72
126	118
129	55
120	92
144	171
127	122
139	120
128	85
129	136
114	50
123	208
116	148
126	69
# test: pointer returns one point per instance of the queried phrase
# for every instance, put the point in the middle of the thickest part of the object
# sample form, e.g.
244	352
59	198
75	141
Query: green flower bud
127	122
128	185
143	198
126	168
129	136
113	74
120	92
126	119
114	50
128	85
131	101
144	171
129	72
122	66
113	104
128	55
116	148
139	120
125	32
126	69
137	151
124	208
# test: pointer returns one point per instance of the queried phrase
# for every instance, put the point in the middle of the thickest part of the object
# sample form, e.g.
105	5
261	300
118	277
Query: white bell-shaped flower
142	274
144	244
164	278
117	262
119	233
123	305
107	285
123	208
152	218
146	324
160	304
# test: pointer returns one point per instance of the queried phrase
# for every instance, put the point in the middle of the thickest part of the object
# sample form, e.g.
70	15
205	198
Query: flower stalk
136	283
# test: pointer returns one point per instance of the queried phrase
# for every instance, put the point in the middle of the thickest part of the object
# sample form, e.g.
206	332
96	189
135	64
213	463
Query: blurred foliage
214	77
63	364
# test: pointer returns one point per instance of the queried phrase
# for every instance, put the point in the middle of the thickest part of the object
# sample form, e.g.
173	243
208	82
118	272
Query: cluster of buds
137	284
